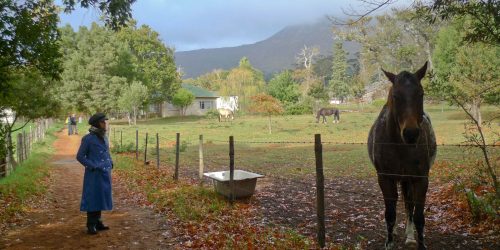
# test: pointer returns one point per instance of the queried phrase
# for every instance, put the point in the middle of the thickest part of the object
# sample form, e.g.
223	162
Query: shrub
298	109
212	114
129	147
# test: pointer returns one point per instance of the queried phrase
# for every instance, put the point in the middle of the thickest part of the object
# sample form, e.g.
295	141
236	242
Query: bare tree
306	56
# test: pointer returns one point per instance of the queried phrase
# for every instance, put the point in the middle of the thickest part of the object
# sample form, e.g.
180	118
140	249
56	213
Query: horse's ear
421	72
390	76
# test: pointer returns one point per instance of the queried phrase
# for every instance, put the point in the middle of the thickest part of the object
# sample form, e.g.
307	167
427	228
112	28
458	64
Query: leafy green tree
284	88
466	73
212	80
182	99
31	97
339	83
243	81
154	63
97	66
116	12
483	24
132	98
266	105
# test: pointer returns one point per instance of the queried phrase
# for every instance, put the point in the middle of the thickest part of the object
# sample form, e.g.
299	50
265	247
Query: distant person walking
74	128
70	128
95	157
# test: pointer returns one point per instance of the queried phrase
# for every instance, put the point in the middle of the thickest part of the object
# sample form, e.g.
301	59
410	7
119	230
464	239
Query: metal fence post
157	151
137	144
200	149
231	168
177	141
146	150
320	189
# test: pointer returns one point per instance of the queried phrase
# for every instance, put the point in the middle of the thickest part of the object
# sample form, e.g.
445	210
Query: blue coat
94	156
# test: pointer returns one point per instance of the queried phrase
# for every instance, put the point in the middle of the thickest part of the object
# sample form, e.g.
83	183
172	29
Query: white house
203	102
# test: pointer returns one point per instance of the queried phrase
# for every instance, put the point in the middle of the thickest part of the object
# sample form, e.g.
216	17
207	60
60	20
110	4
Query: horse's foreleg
410	208
419	190
390	192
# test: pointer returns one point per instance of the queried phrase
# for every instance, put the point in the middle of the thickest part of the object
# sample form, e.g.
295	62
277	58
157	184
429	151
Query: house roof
199	92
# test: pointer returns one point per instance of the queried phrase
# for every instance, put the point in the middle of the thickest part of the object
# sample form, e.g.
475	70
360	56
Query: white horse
226	113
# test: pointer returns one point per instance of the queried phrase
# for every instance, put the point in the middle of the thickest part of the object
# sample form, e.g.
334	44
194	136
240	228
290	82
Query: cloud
194	24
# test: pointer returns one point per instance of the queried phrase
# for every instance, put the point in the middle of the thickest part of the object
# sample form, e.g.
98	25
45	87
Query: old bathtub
244	183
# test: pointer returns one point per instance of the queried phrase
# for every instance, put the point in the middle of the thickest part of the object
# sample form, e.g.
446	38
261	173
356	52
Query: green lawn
290	158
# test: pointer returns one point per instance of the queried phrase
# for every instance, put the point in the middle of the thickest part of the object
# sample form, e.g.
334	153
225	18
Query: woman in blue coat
94	156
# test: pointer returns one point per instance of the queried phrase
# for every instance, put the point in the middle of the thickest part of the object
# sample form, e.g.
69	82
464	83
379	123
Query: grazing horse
328	111
402	146
226	113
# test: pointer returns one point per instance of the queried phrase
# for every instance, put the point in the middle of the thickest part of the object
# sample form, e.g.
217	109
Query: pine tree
338	84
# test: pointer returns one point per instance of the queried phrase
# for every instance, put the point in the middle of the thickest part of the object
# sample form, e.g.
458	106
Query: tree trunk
476	112
129	119
135	115
270	129
11	162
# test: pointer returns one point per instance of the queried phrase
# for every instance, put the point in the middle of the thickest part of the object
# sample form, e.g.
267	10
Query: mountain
271	55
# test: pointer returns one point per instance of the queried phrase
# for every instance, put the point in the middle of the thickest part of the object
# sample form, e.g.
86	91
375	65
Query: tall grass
27	181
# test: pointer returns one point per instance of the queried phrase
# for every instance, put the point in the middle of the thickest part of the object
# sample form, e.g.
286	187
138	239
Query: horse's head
406	102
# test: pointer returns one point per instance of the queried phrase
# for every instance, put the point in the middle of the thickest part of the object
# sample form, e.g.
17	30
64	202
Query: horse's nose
411	135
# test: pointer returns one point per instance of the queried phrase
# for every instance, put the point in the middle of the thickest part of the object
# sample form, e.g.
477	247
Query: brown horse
402	146
326	112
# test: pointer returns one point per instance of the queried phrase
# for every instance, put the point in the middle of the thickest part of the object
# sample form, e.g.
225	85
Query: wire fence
289	167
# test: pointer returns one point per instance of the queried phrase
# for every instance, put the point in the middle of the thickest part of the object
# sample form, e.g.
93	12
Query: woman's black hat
96	118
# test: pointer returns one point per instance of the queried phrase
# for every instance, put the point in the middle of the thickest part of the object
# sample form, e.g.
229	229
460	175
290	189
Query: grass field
297	157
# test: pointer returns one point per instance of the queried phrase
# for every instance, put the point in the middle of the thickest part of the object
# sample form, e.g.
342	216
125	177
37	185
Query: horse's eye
395	97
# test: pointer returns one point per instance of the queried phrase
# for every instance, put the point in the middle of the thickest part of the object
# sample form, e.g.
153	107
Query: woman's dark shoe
101	227
91	229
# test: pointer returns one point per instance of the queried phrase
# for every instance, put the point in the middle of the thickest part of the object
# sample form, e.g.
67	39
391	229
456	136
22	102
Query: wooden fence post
231	168
114	134
320	189
137	144
200	149
30	136
19	148
157	150
146	150
25	151
121	139
177	141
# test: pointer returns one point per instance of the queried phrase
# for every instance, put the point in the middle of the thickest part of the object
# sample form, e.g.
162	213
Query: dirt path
59	223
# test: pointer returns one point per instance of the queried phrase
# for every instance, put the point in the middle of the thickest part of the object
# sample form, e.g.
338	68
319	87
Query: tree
212	80
29	53
182	99
154	63
483	24
339	83
482	27
284	88
266	105
467	75
133	97
306	56
243	81
31	97
97	66
116	12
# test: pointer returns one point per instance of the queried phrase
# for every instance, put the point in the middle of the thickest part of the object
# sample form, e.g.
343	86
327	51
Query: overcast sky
196	24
